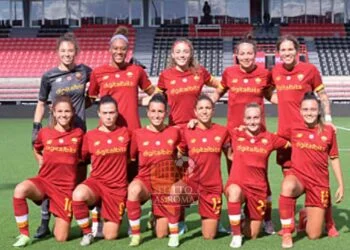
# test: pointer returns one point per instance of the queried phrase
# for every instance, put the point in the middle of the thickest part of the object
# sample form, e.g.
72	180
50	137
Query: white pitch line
344	149
346	129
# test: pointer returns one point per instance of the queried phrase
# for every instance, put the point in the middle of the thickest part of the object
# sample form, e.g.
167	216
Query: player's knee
234	193
209	235
20	191
161	234
79	194
288	188
134	191
61	237
313	235
110	235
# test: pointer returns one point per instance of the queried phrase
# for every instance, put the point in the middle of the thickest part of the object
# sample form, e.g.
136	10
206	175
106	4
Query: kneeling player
57	151
248	181
107	185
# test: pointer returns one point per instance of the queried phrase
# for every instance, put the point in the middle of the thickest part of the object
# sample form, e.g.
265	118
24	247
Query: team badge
278	78
170	142
196	78
96	143
59	79
117	76
74	140
105	77
109	141
234	80
193	140
264	141
69	78
172	82
60	140
78	75
258	80
311	136
184	80
129	74
245	80
157	143
145	143
288	78
299	135
324	138
217	138
252	140
121	138
49	142
240	139
204	140
300	77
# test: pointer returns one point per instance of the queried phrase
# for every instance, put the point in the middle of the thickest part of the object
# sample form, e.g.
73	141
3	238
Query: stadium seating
314	30
52	30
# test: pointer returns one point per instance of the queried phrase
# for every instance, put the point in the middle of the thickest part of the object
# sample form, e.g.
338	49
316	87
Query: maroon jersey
182	90
250	158
61	155
108	153
204	148
291	87
244	88
310	151
122	85
151	147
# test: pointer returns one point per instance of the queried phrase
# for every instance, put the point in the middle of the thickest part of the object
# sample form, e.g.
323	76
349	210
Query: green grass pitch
17	163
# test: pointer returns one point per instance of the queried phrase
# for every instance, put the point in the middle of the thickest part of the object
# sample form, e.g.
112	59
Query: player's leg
61	229
268	225
44	230
209	228
161	227
315	219
137	193
330	223
252	228
25	189
111	230
83	197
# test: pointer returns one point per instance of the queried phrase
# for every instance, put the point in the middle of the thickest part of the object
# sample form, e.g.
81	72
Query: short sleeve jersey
311	149
108	152
244	88
182	90
56	82
61	154
151	147
291	87
123	85
250	158
204	147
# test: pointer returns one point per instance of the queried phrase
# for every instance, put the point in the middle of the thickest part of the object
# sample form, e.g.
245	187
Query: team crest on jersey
74	140
105	77
96	143
324	138
184	80
245	80
69	78
278	78
129	74
217	138
299	135
59	79
145	143
121	138
49	142
240	139
264	141
170	142
78	75
258	80
172	82
300	77
234	80
196	78
193	140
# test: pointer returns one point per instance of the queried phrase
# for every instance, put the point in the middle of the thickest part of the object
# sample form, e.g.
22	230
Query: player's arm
325	105
339	194
271	95
38	149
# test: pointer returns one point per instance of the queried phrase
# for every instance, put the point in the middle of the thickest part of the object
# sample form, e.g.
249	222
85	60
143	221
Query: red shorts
60	200
112	200
283	157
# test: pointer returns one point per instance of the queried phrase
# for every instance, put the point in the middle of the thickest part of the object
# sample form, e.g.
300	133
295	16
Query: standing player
292	80
246	82
106	146
248	181
312	144
65	79
154	143
203	181
57	150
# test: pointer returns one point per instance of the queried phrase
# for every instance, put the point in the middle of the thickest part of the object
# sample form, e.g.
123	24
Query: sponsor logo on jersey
105	77
49	142
117	76
129	74
278	78
245	80
121	138
109	141
258	80
300	77
78	75
252	140
96	143
311	136
324	138
196	78
264	141
204	140
299	135
170	142
240	139
145	143
173	82
184	80
61	140
217	138
289	78
74	140
193	140
234	80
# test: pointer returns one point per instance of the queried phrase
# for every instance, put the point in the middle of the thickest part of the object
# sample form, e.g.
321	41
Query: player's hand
339	194
35	131
192	123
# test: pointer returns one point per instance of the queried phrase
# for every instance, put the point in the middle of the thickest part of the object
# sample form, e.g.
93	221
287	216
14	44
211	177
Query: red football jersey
182	90
151	147
291	87
61	155
250	158
244	88
204	148
108	152
310	151
122	85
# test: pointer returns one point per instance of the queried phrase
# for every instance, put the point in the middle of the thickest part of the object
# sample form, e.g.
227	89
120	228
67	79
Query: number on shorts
261	207
325	198
68	206
217	203
121	208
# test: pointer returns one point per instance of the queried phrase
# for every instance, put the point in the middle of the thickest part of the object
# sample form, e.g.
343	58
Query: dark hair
206	98
158	98
121	30
68	37
312	96
60	99
287	38
107	99
248	38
